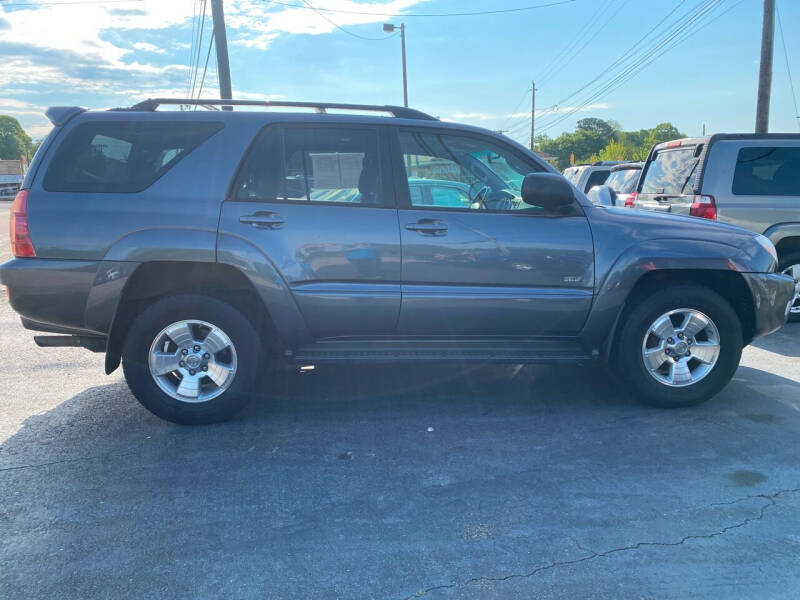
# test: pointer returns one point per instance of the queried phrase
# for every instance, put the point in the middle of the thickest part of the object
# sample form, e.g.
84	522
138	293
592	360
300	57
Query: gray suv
750	180
201	248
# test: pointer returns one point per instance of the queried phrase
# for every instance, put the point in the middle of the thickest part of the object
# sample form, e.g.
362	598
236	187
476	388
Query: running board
90	342
513	351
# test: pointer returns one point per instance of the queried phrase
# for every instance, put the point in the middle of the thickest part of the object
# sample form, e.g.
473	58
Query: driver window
459	172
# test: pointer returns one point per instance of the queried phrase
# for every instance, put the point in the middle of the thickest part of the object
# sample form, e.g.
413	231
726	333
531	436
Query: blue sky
474	69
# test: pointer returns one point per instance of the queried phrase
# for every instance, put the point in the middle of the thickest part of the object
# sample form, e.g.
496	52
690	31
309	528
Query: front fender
620	278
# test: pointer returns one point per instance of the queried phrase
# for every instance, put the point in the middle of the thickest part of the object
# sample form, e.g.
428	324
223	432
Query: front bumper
772	294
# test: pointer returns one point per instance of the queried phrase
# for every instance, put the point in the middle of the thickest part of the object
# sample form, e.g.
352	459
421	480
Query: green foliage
605	140
14	142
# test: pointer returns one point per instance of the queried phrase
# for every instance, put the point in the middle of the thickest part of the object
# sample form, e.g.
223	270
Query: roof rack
321	107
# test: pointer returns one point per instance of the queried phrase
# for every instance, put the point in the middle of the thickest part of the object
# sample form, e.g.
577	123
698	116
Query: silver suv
750	180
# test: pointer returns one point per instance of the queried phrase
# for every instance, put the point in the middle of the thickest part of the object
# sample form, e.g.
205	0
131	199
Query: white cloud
144	46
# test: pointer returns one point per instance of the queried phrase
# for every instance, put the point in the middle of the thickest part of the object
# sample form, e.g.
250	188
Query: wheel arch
152	281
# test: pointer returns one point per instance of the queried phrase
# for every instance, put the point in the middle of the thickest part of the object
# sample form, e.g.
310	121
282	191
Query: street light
389	27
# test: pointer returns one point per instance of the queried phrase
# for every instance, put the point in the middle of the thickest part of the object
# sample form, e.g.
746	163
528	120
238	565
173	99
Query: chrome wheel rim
192	361
681	347
793	271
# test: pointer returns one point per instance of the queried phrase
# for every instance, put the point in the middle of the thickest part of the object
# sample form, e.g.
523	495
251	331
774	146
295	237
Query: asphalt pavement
398	482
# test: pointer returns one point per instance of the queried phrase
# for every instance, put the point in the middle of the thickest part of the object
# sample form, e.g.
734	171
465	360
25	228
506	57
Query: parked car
201	248
750	180
623	179
585	177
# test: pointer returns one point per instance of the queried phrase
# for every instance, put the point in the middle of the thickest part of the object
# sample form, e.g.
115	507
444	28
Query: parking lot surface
398	482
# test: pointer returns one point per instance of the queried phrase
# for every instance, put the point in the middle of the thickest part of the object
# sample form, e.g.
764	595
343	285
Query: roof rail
321	107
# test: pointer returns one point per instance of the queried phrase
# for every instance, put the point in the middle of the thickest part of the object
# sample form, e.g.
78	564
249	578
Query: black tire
172	309
787	261
631	365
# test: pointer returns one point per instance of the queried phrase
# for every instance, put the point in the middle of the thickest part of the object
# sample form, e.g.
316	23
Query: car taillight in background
704	207
630	201
21	242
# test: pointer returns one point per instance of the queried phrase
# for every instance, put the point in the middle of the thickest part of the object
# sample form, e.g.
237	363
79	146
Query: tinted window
463	172
671	172
122	157
767	172
596	178
304	164
623	181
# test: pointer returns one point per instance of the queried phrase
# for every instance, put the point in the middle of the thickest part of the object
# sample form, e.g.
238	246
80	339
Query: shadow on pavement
370	482
785	341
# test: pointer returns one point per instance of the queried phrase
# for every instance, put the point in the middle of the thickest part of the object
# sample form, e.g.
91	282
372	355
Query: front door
317	202
480	261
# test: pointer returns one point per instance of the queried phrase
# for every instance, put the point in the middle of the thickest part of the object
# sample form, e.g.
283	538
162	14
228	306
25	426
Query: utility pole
765	71
533	112
221	43
389	27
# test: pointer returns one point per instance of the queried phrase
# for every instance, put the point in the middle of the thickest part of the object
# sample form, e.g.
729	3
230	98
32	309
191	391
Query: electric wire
199	47
347	31
788	69
417	15
205	68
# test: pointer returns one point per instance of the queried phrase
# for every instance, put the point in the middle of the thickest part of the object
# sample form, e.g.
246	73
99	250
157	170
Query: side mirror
602	195
548	190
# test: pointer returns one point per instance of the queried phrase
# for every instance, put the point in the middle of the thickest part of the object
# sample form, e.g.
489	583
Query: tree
14	142
597	126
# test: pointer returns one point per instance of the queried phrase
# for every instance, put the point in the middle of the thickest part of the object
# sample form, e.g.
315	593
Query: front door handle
428	227
263	220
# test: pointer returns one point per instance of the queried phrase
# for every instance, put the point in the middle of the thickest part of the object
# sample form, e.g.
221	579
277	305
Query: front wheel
191	359
790	265
680	346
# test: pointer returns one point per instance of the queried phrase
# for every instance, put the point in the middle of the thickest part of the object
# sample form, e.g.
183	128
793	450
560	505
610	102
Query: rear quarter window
767	171
122	157
596	178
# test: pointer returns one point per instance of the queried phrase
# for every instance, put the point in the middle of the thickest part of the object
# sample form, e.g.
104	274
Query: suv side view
749	180
198	248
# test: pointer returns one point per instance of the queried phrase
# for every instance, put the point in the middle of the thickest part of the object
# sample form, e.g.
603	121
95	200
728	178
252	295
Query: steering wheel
478	196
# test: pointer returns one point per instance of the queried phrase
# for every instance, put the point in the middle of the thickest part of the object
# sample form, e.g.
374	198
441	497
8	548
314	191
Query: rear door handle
263	220
428	227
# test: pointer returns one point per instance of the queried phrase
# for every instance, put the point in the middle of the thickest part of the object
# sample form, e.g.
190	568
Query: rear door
317	201
667	183
490	266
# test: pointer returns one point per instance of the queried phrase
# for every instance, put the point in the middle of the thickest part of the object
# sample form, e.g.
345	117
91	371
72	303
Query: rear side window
623	181
305	164
596	178
672	171
767	172
122	157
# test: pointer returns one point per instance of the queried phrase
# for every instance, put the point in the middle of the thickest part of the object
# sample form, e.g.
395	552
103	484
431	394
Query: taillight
630	201
704	207
21	243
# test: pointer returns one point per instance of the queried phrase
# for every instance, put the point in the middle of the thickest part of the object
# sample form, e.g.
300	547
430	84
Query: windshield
672	171
623	181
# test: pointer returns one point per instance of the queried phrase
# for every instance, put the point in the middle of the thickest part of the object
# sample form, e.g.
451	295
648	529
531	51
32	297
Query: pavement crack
770	498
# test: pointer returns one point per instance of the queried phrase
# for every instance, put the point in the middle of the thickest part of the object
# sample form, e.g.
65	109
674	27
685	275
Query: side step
95	343
509	351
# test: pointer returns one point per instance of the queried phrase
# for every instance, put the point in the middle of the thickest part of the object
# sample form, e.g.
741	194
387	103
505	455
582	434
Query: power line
667	41
347	31
205	68
516	108
4	3
191	47
788	70
199	46
458	14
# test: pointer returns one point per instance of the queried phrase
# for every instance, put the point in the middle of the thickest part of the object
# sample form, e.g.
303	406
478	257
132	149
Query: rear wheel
680	346
191	359
790	265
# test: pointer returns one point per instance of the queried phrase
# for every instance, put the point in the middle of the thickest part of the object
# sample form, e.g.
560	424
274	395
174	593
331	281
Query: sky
637	62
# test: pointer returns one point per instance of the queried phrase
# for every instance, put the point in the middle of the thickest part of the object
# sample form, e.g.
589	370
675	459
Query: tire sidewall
632	364
142	333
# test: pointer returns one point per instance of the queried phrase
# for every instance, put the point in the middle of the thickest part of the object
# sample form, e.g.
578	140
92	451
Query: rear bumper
50	292
772	294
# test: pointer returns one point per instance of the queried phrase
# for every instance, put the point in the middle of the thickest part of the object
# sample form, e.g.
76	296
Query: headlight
768	246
